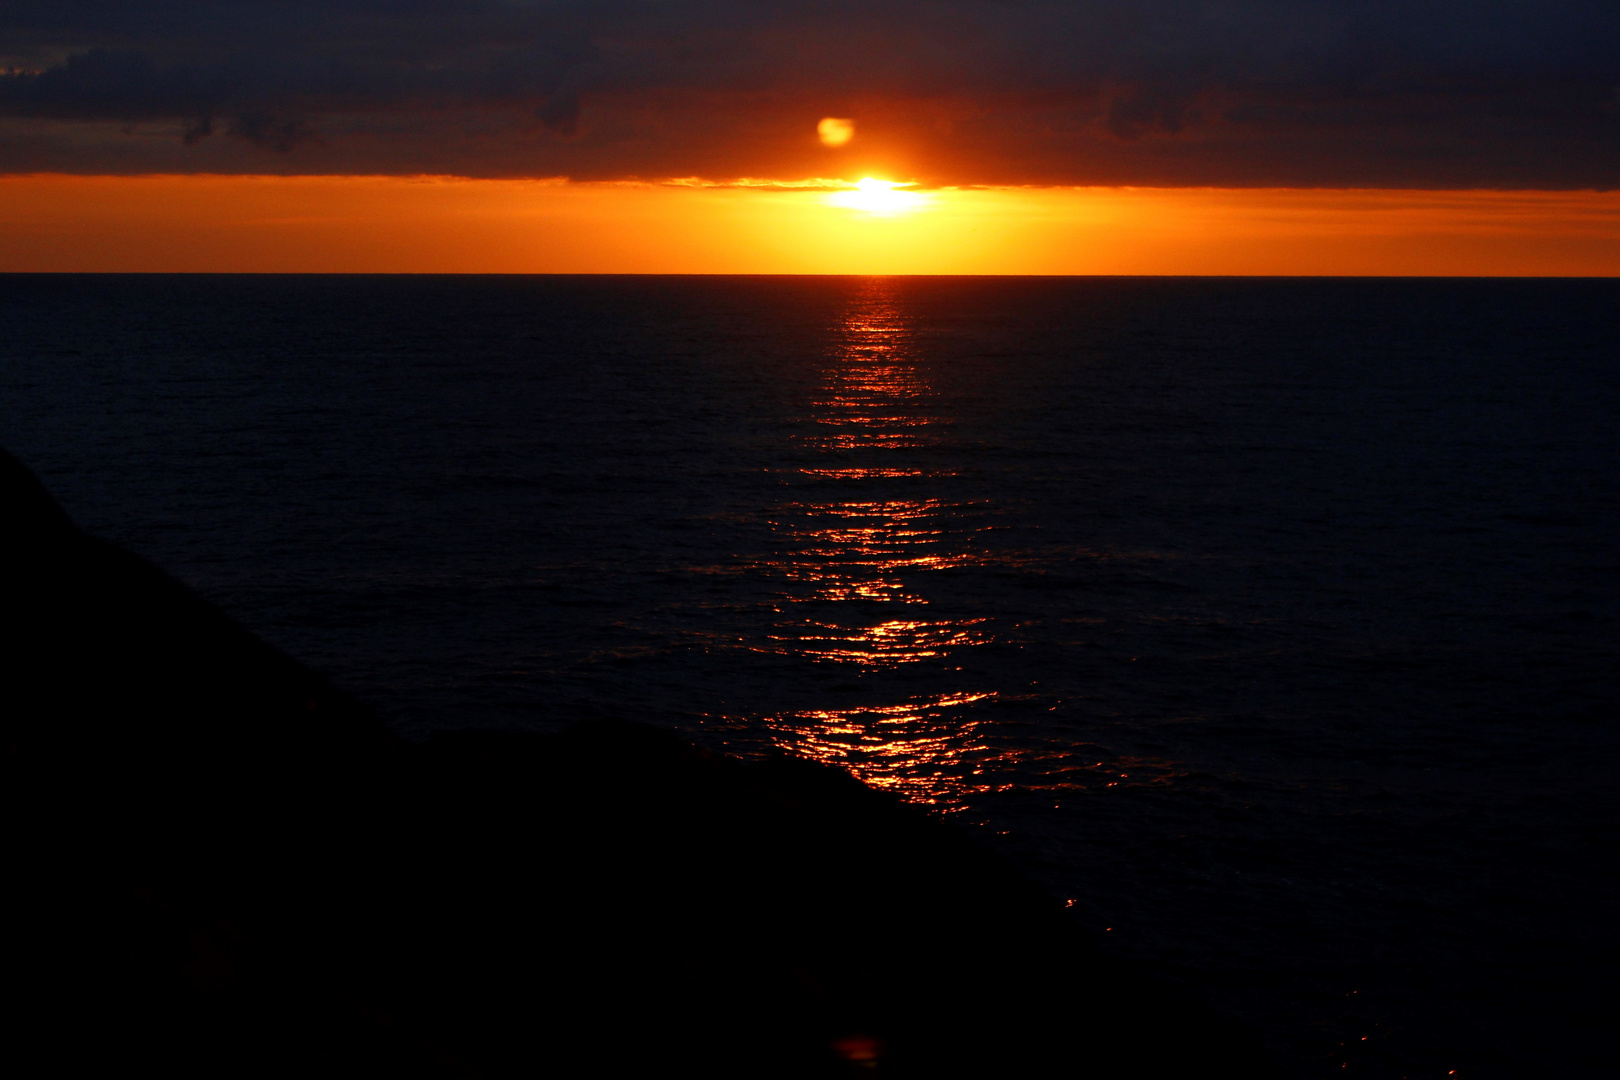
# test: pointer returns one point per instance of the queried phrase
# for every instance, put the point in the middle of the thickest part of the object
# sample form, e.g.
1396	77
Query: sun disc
879	197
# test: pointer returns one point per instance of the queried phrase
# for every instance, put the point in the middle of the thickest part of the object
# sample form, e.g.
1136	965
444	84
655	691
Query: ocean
1270	624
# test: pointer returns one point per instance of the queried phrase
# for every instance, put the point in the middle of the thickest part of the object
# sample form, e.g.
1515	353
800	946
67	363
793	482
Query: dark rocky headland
228	868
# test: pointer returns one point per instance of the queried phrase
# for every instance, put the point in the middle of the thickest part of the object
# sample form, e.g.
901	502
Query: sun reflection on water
886	645
918	748
888	652
850	567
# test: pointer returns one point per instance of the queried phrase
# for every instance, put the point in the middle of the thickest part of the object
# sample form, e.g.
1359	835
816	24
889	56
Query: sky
1028	130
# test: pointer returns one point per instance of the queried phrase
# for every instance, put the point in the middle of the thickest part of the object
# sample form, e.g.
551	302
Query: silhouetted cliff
229	868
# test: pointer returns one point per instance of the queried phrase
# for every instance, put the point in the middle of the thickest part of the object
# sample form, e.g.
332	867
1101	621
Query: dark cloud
1288	92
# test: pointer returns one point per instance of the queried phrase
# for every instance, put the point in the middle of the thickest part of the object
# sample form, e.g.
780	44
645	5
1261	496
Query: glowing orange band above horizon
452	225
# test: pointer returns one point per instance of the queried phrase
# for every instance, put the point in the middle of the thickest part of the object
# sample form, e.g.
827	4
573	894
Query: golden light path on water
848	569
847	560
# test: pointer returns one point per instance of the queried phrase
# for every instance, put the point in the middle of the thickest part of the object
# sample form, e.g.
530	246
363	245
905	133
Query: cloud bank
1379	93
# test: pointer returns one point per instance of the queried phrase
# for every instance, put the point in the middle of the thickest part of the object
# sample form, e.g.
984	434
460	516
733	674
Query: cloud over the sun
1425	93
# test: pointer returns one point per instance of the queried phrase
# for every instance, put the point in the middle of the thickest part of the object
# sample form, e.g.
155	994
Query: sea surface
1270	623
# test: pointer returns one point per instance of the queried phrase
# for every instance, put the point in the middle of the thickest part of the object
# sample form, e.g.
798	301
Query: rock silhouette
227	867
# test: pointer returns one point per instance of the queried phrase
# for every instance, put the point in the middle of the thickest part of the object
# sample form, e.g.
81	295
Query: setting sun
879	197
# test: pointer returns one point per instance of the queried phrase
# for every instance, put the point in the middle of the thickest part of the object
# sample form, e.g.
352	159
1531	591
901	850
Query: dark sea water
1273	623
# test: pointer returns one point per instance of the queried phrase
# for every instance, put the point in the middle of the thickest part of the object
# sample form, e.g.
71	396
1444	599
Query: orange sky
435	224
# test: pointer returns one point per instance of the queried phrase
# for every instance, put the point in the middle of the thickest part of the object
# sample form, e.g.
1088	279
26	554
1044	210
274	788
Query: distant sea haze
1270	622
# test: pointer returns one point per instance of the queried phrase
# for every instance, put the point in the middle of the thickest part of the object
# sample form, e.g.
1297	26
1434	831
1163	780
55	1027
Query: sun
879	197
